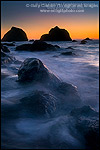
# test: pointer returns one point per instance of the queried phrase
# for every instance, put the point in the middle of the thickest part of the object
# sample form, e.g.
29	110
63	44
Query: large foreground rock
33	69
86	121
15	34
38	104
42	93
37	46
56	34
34	73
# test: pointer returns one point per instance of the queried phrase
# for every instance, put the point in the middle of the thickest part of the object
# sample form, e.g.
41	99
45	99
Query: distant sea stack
56	34
88	39
15	34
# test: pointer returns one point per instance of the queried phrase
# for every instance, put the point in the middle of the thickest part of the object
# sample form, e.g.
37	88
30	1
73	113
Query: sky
27	15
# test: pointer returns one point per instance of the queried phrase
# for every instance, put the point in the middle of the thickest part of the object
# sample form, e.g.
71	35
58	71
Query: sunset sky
35	23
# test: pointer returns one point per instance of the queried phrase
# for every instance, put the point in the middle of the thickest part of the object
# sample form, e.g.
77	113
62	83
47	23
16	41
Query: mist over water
26	130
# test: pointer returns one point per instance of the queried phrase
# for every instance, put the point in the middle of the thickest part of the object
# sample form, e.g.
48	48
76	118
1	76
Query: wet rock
37	46
57	46
88	39
89	128
5	58
69	95
56	34
86	111
39	103
33	69
4	48
24	47
69	47
9	44
83	42
31	40
40	45
34	72
15	34
74	40
67	53
86	122
3	54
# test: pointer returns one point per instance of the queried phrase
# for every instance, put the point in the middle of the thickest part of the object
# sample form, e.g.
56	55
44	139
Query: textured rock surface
86	122
39	103
33	71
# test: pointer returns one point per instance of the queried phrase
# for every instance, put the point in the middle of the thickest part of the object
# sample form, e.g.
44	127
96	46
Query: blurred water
81	70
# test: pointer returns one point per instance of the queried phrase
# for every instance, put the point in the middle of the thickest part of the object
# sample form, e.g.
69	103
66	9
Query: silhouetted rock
67	53
37	46
24	47
83	42
4	48
74	40
88	39
9	44
40	45
56	34
31	40
69	47
15	34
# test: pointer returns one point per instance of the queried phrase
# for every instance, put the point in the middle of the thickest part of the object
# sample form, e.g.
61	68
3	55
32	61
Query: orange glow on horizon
77	30
76	34
35	24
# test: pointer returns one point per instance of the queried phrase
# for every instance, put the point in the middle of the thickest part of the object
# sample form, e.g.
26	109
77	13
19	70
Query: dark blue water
80	70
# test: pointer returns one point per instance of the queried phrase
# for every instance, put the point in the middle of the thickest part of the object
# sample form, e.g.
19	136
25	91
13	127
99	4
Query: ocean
80	70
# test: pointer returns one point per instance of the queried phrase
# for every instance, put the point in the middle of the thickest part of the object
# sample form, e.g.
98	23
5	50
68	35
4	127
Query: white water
81	70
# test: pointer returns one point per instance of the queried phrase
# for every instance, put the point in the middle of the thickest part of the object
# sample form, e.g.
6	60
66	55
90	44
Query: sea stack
56	34
88	39
15	34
